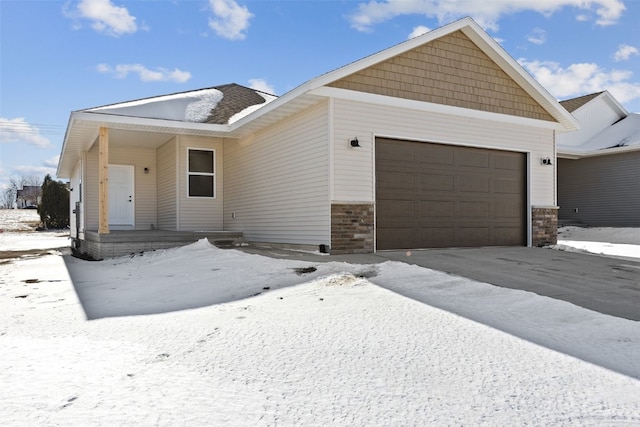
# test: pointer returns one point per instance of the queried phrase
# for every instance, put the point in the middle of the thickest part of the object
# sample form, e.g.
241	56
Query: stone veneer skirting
352	228
544	226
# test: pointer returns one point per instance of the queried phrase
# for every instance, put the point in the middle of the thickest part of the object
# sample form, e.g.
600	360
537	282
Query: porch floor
125	242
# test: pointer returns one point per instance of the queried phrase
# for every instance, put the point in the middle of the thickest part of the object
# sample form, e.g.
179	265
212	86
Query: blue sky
61	56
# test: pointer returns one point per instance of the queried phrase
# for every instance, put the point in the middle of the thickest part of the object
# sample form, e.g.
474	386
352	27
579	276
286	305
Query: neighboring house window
201	173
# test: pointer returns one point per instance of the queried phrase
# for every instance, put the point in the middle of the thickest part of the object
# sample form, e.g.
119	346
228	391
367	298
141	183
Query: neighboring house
435	142
29	196
599	165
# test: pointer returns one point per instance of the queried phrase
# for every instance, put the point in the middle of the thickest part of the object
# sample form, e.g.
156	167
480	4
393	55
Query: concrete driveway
607	285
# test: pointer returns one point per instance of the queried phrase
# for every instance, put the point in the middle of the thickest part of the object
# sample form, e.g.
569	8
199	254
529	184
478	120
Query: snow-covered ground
203	336
619	242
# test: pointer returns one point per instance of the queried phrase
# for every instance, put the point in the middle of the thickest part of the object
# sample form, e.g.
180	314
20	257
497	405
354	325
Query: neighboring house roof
573	104
620	132
83	125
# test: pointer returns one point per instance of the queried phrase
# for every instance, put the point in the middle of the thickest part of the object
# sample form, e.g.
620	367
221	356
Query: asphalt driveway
604	284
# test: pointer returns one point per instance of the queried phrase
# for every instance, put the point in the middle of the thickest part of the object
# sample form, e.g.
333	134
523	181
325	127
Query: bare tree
8	198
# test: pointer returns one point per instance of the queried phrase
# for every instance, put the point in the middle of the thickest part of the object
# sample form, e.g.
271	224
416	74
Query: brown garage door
434	196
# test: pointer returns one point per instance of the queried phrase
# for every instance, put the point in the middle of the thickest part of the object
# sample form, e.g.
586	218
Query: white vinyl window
201	177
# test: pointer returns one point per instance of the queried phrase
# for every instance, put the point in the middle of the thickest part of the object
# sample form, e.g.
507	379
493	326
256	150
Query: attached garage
436	195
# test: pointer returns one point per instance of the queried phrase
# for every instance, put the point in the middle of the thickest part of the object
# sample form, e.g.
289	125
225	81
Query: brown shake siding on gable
450	70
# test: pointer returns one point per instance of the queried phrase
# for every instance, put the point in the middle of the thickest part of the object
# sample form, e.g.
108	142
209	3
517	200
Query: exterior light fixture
354	142
547	161
146	170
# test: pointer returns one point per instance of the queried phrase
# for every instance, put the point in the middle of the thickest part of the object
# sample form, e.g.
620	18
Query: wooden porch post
103	180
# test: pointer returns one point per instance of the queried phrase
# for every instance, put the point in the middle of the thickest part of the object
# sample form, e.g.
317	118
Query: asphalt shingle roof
573	104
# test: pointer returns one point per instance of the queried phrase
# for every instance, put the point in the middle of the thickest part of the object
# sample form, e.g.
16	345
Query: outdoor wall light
146	170
354	142
547	161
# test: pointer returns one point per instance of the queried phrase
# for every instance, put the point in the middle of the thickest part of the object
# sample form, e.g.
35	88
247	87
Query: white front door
121	200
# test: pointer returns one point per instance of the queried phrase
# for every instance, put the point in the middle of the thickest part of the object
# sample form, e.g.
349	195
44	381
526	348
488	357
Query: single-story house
599	165
440	141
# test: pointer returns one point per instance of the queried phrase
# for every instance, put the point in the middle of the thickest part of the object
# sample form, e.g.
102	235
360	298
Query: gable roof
83	125
573	104
619	134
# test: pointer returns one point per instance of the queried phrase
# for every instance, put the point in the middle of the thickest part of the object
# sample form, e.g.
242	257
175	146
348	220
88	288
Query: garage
432	195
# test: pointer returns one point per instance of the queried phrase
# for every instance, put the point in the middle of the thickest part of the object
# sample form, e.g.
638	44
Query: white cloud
624	52
261	85
231	20
581	79
486	13
537	36
418	31
18	130
30	170
52	162
121	71
105	17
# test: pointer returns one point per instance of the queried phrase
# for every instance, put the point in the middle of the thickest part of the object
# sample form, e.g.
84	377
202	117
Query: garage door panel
435	237
435	155
472	157
507	161
473	210
437	209
473	183
398	208
396	152
397	180
397	238
436	182
507	185
437	195
506	209
470	236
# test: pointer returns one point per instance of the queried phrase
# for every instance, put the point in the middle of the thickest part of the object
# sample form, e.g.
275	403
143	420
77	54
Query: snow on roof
250	109
218	105
187	106
624	133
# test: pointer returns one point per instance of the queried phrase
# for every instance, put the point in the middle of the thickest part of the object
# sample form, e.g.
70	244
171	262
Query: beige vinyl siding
277	181
199	213
450	70
353	167
605	190
145	184
167	186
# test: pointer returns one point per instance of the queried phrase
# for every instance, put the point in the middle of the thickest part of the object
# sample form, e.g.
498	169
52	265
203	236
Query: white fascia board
390	101
64	147
569	154
179	126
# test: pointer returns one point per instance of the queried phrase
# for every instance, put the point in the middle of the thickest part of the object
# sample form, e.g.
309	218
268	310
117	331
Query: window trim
189	173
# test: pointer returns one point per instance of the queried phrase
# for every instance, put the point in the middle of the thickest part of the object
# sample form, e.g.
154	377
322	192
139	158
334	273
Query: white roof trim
410	104
574	154
110	119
